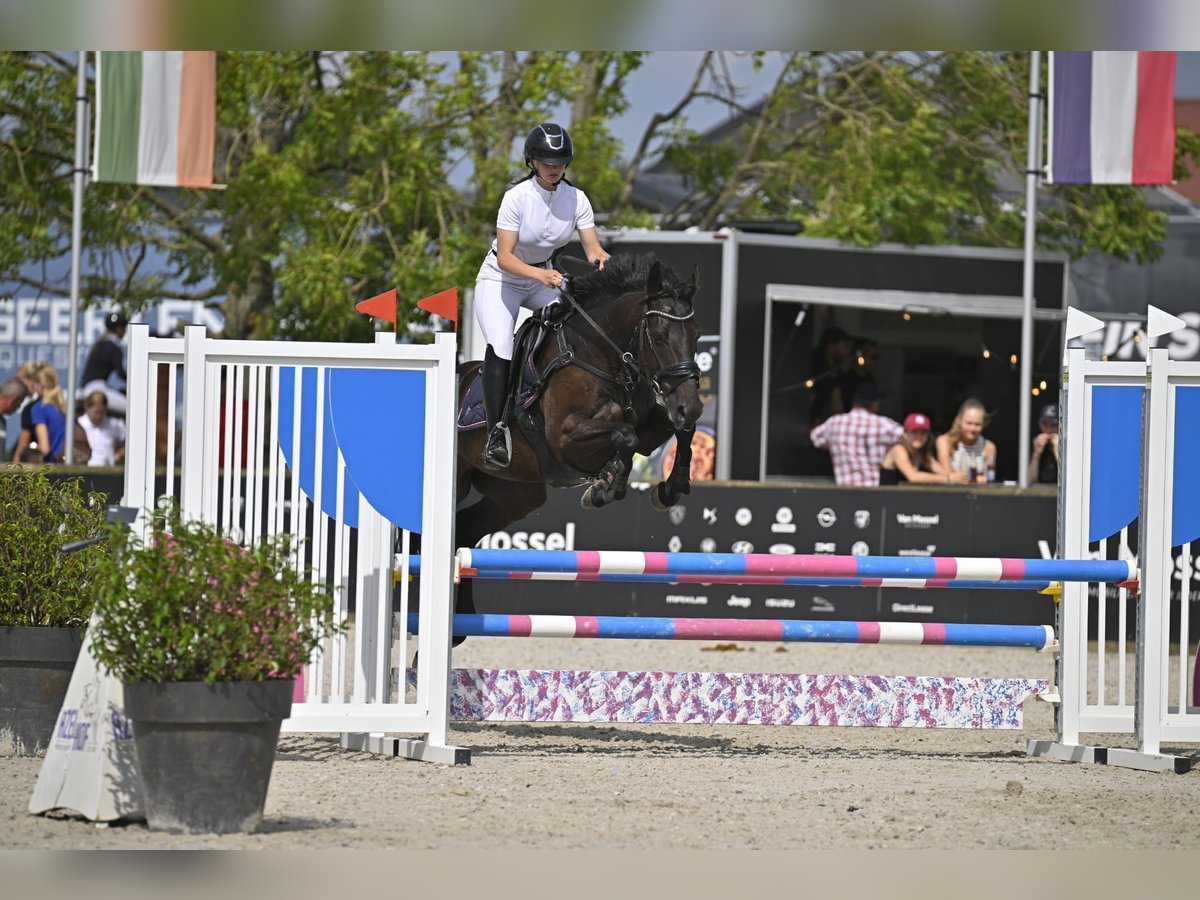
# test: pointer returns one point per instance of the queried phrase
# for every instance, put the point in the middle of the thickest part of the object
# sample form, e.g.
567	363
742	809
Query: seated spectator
858	440
1043	464
49	419
105	435
29	372
913	460
964	448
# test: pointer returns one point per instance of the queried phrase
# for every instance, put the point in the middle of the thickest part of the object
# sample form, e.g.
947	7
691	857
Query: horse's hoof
658	497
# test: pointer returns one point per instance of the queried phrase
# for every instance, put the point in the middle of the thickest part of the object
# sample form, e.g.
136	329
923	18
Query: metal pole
1032	171
81	125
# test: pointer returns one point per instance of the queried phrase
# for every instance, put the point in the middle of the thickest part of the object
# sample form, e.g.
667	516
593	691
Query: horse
615	373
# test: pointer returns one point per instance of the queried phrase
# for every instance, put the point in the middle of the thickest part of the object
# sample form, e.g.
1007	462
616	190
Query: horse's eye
660	339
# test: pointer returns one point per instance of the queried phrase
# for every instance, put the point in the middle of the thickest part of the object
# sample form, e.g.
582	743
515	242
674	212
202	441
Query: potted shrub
45	598
207	638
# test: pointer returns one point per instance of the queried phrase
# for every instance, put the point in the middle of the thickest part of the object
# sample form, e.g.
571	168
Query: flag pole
1032	172
81	124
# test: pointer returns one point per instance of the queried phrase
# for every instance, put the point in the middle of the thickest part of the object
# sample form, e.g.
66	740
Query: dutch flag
1112	117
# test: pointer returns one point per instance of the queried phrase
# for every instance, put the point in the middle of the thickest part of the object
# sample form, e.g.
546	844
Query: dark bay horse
618	374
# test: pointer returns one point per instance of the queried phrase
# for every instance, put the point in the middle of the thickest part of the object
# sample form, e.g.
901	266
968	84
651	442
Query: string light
1013	359
1036	391
1043	385
808	384
987	354
906	316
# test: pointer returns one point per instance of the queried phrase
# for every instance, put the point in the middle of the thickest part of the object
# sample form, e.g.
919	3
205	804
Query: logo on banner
916	520
687	599
676	514
739	602
710	515
927	550
781	549
860	548
862	518
780	603
708	545
742	547
674	544
743	516
919	609
783	523
826	518
530	540
821	605
825	547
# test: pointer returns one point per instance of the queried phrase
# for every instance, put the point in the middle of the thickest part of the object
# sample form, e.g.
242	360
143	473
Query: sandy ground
561	787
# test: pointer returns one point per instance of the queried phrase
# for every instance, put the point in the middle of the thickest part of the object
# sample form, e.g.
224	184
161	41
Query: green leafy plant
39	584
186	604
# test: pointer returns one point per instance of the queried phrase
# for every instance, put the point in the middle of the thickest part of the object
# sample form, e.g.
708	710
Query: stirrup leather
498	452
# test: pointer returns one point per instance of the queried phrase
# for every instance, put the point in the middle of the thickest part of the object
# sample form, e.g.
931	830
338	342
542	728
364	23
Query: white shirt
543	220
103	439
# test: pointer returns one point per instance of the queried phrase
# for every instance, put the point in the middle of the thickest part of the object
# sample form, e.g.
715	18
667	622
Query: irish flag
1112	116
156	116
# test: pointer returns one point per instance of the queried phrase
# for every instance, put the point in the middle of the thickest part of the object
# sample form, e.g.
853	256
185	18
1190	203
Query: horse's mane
622	274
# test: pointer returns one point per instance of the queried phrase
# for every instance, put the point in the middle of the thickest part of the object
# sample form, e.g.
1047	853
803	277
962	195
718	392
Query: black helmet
549	143
115	320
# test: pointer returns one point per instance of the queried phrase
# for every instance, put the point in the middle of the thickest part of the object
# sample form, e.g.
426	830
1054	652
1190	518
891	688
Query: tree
335	167
904	146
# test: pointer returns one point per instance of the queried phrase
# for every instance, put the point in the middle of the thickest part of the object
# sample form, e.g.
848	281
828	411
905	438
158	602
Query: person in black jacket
105	358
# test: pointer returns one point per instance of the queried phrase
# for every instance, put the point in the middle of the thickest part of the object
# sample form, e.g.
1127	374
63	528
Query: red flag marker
443	303
381	306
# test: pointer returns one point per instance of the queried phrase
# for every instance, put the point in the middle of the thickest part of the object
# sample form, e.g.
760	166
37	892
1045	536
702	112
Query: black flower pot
205	751
35	671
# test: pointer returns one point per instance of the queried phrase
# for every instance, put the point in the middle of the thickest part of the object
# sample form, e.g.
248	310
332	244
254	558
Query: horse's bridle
665	381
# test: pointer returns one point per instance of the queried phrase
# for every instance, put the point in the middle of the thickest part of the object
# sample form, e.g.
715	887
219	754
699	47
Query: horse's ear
688	290
654	280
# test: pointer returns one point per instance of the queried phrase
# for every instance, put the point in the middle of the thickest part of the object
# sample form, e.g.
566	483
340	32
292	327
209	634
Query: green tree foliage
335	168
907	147
347	174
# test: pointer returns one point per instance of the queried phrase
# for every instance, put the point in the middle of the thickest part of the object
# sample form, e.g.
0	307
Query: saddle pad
471	414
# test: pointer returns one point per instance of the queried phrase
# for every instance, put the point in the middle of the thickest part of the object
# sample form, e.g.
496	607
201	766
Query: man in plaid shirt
859	439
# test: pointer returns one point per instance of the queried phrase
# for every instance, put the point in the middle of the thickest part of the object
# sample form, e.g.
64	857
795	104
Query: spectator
49	421
913	460
1043	464
858	440
12	393
964	448
103	360
829	366
30	373
105	435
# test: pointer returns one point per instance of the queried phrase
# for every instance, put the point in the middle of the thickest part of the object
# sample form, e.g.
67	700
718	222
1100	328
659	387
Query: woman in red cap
913	460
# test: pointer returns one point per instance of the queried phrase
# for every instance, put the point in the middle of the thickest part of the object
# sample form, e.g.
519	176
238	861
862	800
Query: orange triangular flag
381	306
443	303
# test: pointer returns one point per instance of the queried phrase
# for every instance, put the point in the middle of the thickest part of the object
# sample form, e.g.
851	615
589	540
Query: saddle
525	381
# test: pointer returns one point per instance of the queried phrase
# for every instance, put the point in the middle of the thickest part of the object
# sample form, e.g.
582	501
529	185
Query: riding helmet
549	143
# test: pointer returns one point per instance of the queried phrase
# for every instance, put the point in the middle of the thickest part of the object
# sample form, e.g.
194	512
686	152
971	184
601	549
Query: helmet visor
554	160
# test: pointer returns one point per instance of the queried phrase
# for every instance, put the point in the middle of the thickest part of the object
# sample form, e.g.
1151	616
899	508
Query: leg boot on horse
497	453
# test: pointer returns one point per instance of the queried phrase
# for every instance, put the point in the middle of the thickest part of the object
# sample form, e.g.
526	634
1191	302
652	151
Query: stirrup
498	452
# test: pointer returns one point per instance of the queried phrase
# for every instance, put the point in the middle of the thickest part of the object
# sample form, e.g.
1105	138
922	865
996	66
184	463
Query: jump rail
1037	637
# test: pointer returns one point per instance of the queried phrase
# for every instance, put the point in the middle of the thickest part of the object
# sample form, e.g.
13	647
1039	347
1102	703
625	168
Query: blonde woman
29	373
964	448
49	419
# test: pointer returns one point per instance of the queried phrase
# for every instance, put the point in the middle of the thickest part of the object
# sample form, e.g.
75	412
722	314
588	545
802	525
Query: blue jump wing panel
1116	458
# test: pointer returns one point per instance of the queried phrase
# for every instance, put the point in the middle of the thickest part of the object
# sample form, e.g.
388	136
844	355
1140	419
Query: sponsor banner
785	520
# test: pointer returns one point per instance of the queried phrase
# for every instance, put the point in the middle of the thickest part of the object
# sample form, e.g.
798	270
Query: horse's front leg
588	442
667	493
611	484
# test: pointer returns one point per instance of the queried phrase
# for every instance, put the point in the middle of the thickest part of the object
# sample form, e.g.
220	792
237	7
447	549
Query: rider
538	216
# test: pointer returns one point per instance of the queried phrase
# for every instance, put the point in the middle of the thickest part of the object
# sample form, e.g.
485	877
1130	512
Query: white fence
1122	422
316	439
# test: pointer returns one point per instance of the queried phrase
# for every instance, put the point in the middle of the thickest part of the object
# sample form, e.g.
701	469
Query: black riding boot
498	452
